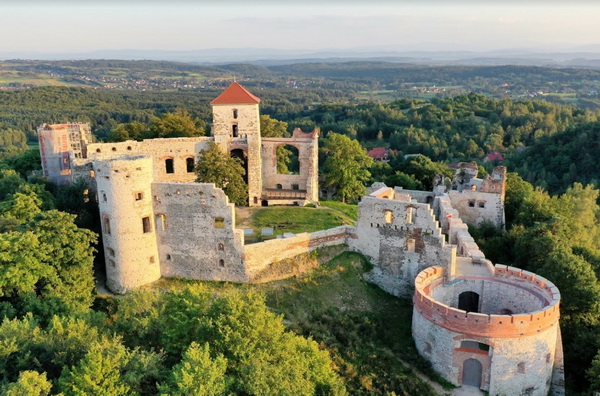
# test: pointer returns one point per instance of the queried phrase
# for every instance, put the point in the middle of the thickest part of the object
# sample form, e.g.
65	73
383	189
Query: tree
30	383
197	374
131	131
271	127
346	166
215	166
177	124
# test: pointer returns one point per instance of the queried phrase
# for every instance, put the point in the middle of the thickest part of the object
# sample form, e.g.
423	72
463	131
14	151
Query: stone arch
468	301
471	373
287	159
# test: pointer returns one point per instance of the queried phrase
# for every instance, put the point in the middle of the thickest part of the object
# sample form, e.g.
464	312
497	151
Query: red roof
494	156
377	153
235	94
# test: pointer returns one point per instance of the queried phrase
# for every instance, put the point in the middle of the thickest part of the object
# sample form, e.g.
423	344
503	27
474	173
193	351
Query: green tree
271	127
346	166
134	130
197	374
215	166
177	124
30	383
98	373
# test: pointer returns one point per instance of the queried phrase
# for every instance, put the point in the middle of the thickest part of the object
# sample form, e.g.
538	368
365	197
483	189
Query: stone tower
127	217
236	128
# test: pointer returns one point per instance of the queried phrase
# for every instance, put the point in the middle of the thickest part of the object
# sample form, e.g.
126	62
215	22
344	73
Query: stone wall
259	256
306	181
195	228
400	237
126	215
476	207
160	150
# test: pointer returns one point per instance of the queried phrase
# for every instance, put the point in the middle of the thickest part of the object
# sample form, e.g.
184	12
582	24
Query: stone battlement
484	324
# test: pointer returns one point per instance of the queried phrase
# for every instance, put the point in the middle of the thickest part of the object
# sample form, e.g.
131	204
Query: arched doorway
468	301
471	374
241	155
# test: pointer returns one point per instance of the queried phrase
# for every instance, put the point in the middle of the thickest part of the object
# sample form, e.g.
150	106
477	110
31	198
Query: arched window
278	186
221	263
169	165
235	113
288	162
189	164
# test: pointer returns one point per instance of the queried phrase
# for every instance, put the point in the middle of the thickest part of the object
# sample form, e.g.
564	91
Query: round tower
126	214
499	333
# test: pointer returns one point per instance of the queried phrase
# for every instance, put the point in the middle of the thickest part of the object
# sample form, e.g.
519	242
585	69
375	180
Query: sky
475	25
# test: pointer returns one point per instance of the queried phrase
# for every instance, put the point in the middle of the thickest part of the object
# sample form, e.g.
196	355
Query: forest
56	331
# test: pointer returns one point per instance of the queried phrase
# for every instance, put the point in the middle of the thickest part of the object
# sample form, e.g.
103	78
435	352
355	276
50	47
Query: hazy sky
87	25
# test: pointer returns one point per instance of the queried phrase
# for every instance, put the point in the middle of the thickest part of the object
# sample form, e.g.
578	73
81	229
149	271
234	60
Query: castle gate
472	373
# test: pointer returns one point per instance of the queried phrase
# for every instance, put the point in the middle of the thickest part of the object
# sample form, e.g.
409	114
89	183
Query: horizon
72	28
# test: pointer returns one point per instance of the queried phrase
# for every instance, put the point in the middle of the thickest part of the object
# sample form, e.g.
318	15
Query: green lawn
296	220
349	210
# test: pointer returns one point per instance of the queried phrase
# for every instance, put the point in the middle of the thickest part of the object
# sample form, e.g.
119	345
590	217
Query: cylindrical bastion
497	333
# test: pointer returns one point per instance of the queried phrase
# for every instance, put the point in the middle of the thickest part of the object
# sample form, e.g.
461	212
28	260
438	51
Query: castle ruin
491	327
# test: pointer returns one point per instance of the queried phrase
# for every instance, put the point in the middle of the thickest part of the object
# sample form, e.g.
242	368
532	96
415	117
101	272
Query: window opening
235	113
168	257
481	204
468	301
521	368
219	222
471	204
409	215
106	225
235	130
389	216
189	165
139	196
221	263
295	187
111	252
410	245
279	186
151	259
146	224
221	247
161	222
169	165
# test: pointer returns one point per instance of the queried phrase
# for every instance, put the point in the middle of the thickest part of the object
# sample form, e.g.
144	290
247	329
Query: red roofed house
493	156
379	154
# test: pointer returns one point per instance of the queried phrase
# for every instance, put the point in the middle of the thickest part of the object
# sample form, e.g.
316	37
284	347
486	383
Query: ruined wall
55	150
259	256
400	238
160	150
306	182
476	207
246	120
126	215
521	351
195	228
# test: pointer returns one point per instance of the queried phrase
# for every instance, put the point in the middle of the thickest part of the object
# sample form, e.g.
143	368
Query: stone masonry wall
397	243
468	204
195	227
259	256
